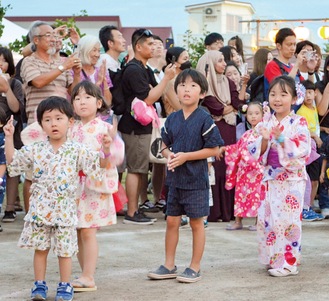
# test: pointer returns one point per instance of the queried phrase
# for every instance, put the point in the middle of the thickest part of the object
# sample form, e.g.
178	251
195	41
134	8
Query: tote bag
156	142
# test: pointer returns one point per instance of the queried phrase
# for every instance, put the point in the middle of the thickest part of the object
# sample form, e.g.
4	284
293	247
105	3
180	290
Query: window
232	23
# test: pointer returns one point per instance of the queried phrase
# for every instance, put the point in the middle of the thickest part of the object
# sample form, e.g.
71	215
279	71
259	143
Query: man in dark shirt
138	81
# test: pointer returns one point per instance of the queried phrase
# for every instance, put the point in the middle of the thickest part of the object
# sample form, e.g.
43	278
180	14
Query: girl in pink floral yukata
244	171
284	143
96	207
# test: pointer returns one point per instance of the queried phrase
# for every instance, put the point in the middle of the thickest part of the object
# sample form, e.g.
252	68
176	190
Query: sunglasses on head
146	33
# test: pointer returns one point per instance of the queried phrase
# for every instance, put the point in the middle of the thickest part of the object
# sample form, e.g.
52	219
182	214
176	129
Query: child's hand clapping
9	128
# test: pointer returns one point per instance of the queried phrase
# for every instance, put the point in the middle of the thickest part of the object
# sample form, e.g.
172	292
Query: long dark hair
8	56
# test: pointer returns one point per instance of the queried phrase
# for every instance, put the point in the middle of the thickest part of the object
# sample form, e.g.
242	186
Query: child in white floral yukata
55	164
285	144
95	198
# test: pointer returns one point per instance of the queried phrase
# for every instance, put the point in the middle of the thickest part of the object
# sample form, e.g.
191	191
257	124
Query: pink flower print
288	248
282	176
34	134
271	238
93	205
99	138
103	213
289	257
277	260
292	201
292	233
302	121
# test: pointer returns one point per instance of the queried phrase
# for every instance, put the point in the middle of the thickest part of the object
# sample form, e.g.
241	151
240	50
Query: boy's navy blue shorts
193	203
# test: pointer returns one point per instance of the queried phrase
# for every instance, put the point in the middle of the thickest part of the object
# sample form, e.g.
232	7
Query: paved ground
230	268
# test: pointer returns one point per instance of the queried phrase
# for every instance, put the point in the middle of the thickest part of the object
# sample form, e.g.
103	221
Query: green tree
194	45
326	47
19	44
2	14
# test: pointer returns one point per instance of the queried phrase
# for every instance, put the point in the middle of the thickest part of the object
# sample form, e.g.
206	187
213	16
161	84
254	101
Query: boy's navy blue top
197	132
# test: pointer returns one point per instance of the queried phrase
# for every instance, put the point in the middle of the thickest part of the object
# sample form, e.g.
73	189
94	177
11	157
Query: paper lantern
323	32
302	33
272	34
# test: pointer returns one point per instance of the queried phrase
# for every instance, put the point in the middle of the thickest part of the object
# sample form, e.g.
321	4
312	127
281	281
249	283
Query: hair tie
244	108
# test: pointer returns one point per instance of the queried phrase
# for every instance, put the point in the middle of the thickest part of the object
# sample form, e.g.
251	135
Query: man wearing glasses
136	82
44	75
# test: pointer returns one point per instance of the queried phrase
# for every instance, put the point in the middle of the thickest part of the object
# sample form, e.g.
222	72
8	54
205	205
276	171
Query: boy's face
216	45
189	93
309	97
56	124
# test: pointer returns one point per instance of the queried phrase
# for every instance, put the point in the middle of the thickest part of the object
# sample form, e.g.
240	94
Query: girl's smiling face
281	100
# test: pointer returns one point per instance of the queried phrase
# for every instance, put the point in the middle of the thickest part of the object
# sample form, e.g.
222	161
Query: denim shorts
193	203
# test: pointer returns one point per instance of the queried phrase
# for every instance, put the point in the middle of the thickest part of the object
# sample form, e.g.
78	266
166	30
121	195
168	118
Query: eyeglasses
146	33
47	35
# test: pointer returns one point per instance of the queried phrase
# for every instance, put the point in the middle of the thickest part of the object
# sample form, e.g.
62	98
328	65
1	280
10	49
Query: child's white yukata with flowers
95	201
279	216
53	193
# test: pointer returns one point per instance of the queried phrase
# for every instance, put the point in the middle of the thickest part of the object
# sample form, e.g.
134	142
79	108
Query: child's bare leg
88	247
199	240
172	236
238	220
40	264
65	268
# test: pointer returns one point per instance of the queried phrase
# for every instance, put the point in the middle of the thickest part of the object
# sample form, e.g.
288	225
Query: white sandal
283	272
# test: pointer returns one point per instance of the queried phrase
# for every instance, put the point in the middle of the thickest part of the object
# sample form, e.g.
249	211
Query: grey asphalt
230	268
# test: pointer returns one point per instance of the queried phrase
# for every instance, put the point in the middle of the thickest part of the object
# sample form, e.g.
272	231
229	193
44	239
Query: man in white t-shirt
114	44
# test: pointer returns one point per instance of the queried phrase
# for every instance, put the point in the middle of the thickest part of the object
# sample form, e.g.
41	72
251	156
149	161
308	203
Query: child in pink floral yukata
244	171
55	164
95	198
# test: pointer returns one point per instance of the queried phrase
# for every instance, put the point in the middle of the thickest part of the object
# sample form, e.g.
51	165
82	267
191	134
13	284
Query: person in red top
285	41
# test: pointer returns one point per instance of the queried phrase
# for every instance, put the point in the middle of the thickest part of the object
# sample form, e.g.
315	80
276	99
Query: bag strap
323	117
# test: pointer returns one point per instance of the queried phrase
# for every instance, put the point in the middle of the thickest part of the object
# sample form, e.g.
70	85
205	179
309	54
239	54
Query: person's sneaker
189	276
9	217
137	219
160	204
319	216
205	223
309	215
316	206
65	292
183	221
325	213
163	273
153	219
39	291
148	206
1	229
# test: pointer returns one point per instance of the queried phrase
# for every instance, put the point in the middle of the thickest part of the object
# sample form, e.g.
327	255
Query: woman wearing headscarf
222	101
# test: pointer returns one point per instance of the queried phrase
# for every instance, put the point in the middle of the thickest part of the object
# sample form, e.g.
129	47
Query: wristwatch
61	68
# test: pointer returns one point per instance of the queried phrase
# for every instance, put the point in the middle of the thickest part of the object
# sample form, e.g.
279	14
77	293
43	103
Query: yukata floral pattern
279	225
95	202
245	173
54	180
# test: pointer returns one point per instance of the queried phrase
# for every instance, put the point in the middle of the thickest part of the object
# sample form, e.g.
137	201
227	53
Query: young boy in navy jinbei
189	138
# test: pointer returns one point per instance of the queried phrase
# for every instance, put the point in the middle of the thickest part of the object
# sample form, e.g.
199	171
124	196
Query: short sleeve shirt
136	81
32	67
198	131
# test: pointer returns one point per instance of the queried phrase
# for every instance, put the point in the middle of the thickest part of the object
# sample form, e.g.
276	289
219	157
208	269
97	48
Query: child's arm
9	130
323	170
317	139
178	159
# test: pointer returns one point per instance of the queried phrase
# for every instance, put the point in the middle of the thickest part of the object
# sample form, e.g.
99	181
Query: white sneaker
325	213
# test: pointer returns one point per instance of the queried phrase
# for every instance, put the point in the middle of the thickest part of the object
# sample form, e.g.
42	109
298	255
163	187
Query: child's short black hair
196	76
90	89
308	85
54	103
213	38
